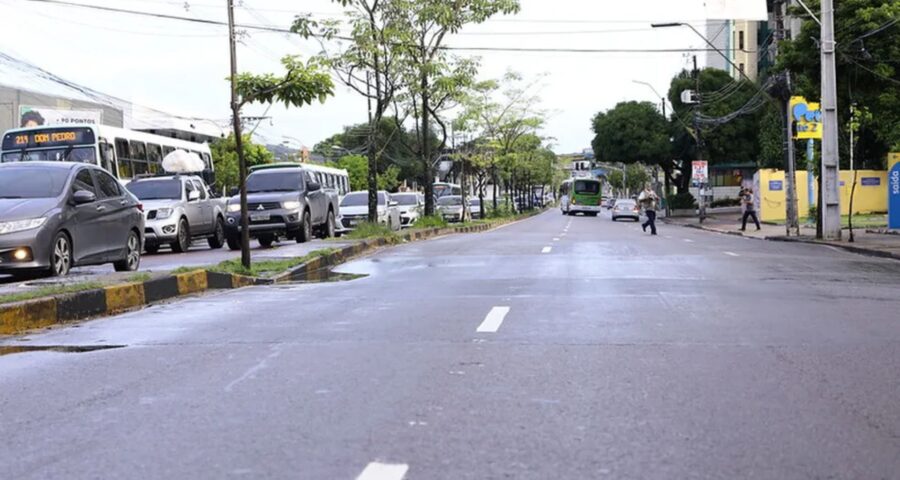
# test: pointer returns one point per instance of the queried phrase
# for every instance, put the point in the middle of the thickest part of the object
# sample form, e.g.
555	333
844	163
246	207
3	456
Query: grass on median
368	230
49	290
264	268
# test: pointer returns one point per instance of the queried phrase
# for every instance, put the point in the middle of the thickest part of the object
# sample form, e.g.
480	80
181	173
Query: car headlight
21	225
163	213
292	205
233	207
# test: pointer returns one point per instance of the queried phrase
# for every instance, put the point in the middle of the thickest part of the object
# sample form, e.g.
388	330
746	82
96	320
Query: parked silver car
451	208
179	209
58	215
355	210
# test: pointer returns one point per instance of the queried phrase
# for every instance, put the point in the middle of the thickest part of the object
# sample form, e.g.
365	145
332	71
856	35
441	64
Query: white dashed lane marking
731	254
547	250
383	471
493	320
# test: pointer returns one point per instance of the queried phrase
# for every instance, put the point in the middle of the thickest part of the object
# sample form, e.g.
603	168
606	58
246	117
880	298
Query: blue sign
870	181
776	185
894	191
843	183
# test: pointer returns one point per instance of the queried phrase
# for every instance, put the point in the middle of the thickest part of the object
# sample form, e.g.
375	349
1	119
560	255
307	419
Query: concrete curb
19	317
776	238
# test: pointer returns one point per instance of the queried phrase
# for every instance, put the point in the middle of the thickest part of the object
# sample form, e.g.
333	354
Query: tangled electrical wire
754	104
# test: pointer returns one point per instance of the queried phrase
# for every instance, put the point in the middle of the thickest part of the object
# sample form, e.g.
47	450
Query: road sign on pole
894	191
699	172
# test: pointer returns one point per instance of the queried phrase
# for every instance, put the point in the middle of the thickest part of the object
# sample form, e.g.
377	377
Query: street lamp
662	99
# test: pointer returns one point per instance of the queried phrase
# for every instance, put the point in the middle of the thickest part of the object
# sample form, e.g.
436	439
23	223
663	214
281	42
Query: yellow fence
870	196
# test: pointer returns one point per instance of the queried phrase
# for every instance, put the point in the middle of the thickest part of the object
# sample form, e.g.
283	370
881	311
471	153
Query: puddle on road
11	350
326	275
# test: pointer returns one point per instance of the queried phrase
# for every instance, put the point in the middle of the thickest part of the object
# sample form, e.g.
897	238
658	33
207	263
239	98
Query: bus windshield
586	187
69	154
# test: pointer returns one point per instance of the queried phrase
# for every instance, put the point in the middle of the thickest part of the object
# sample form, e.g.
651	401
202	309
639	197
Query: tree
868	48
631	132
391	135
369	64
357	167
434	78
302	84
225	160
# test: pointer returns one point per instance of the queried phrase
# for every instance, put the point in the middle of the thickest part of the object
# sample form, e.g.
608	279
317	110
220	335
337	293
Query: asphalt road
552	348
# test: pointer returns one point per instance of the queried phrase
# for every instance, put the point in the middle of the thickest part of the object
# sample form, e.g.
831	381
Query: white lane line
732	254
555	239
493	320
546	249
688	240
383	471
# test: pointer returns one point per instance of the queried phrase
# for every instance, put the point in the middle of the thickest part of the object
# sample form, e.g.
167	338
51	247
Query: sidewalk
866	242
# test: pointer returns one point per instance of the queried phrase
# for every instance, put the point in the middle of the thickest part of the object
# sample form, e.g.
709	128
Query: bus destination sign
56	137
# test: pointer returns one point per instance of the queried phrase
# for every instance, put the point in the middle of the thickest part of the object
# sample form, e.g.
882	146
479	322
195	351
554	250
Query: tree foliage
631	132
357	167
225	159
868	48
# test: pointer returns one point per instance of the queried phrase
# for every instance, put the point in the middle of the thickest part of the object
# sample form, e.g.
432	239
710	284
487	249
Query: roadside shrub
681	201
431	221
370	230
502	211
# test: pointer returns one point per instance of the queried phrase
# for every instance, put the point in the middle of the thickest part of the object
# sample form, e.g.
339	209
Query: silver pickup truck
179	209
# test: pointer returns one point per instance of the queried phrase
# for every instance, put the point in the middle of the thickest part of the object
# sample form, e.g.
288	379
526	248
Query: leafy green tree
392	139
357	167
631	132
637	178
225	160
868	48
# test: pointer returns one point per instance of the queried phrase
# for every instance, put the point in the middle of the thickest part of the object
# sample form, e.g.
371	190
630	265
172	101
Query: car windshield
450	201
168	189
26	182
77	154
475	202
587	188
274	181
625	203
407	199
359	199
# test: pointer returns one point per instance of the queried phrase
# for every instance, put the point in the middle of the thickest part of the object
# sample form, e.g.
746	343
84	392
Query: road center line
688	240
555	239
732	254
493	320
383	471
546	249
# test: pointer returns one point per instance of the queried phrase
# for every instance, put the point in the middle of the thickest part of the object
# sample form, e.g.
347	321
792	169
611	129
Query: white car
411	206
475	207
450	208
355	210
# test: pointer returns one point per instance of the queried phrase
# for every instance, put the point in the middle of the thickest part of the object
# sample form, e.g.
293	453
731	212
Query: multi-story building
737	39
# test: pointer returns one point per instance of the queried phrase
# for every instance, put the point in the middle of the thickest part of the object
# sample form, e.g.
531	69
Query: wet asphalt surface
687	355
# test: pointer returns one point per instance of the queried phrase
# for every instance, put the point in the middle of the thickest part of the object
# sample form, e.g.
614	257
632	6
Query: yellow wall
867	199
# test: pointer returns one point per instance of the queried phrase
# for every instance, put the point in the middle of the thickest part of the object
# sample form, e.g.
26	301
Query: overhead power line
205	21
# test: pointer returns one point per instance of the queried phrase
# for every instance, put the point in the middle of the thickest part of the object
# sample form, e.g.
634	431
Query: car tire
183	237
60	255
233	241
151	249
305	233
329	228
217	240
132	260
614	218
266	241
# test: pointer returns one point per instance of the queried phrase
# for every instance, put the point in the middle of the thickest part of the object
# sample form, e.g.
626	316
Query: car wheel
233	241
183	240
61	256
329	225
151	249
266	241
614	218
305	233
132	260
218	239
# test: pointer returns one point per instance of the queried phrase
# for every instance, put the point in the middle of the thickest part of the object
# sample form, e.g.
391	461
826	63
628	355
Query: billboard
736	10
32	116
894	191
807	118
699	172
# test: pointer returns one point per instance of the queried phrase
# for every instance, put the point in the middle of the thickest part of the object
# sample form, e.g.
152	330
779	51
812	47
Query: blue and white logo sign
894	190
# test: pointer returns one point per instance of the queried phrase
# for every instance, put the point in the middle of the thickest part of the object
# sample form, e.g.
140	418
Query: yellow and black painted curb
20	317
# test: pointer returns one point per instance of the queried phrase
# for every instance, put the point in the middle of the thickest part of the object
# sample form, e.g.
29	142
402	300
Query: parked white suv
355	210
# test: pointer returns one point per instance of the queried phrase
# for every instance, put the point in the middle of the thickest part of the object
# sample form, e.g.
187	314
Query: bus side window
139	158
108	158
154	158
167	150
123	157
207	161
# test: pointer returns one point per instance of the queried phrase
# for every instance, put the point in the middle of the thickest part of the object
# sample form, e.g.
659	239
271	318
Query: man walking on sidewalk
749	208
648	200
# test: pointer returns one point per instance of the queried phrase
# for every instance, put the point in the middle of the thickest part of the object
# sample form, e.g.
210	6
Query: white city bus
328	177
124	153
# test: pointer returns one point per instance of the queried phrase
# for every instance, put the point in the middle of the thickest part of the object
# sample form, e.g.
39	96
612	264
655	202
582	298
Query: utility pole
239	141
830	203
701	187
793	220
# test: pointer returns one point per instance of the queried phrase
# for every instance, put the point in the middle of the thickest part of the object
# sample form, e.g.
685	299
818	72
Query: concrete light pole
830	203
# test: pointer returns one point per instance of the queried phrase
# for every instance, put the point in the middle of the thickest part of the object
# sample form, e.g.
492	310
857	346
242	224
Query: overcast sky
181	67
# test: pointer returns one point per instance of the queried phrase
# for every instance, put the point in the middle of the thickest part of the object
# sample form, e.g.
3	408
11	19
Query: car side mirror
82	197
313	187
234	191
193	196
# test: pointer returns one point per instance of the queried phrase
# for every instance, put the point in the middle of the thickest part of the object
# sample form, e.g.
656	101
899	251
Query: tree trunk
426	149
495	186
